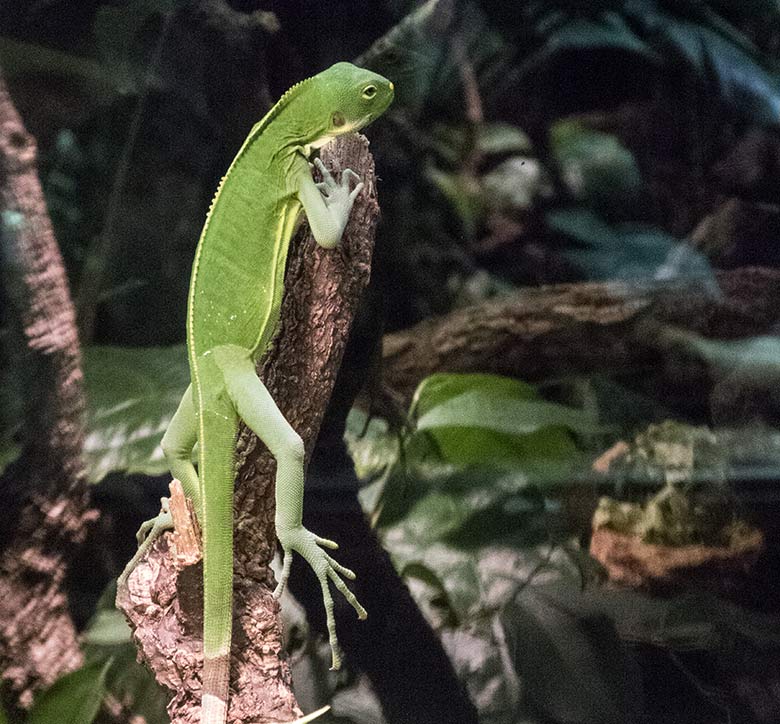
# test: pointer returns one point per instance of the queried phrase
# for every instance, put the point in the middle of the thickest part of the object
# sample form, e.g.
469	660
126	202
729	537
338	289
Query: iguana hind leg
177	445
257	408
149	531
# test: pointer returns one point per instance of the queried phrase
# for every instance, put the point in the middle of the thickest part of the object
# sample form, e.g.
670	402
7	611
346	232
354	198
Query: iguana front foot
308	545
337	194
149	531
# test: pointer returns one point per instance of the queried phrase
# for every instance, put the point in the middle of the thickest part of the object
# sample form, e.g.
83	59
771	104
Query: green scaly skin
232	313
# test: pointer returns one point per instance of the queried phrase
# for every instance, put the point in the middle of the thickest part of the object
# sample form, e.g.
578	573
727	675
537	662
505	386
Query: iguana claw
310	547
312	716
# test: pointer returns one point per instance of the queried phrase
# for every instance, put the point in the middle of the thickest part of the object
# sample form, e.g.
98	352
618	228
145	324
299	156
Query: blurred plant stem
103	247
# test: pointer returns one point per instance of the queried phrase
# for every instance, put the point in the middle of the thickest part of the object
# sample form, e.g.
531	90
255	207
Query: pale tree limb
44	492
163	604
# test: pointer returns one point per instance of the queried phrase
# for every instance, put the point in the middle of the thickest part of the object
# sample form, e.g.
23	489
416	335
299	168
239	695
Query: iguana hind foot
326	568
149	531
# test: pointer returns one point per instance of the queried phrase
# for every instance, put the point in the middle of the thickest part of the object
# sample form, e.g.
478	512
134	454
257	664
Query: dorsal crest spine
258	128
286	97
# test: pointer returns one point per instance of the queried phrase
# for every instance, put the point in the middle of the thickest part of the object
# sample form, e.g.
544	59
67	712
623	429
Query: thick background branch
322	290
616	328
43	494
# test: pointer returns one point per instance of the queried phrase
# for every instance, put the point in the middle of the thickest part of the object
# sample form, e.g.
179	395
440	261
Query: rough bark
615	327
43	494
322	290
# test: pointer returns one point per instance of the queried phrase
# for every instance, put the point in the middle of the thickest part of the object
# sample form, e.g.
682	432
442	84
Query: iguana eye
338	119
369	92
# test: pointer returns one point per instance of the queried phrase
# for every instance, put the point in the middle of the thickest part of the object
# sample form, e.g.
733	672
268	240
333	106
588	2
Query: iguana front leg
327	204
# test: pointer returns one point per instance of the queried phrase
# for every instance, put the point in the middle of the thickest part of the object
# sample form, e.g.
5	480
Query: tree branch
43	493
614	327
163	604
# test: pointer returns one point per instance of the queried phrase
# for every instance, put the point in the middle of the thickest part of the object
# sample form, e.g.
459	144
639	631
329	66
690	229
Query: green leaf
752	358
476	409
607	31
482	419
9	451
443	537
372	445
731	69
424	574
455	570
409	54
460	572
515	185
73	699
502	138
430	578
108	628
585	225
730	72
435	516
416	55
442	386
626	251
108	637
474	506
544	455
462	191
131	682
93	79
3	716
132	394
596	167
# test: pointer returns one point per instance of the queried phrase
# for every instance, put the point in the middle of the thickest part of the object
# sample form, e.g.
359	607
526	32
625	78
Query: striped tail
217	446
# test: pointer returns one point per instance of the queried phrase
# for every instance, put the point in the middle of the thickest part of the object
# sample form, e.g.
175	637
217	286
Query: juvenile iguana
232	312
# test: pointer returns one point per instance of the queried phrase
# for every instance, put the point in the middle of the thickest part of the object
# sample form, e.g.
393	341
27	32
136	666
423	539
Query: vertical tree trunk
43	493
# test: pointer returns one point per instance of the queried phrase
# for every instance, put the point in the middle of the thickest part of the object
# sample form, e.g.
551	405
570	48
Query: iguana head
347	98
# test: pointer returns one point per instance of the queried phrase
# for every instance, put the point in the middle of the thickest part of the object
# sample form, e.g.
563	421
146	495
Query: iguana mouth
328	137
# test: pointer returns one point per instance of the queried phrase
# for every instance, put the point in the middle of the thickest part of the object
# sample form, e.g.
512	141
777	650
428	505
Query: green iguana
232	313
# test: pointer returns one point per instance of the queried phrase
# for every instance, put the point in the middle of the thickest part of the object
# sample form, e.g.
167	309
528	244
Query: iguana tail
217	446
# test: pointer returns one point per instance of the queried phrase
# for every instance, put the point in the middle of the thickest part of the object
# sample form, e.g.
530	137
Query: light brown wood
187	545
